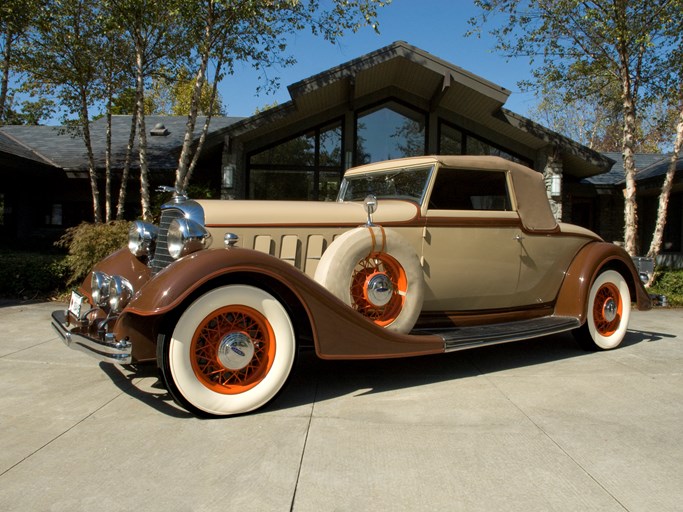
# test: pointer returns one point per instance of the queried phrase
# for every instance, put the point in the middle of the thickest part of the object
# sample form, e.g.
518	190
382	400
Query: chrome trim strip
107	350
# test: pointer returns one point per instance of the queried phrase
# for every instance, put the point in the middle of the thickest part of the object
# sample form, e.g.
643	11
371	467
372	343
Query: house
396	101
597	203
45	185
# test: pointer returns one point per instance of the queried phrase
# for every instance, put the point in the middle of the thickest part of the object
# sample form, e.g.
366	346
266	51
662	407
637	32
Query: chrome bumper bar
108	350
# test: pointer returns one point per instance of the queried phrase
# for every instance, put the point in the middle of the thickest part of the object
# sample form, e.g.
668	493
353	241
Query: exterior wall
238	147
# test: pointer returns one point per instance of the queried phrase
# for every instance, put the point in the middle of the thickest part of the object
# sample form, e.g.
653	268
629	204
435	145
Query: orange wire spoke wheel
232	349
607	309
378	288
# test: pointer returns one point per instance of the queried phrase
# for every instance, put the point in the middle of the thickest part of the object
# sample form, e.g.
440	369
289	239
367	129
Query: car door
471	244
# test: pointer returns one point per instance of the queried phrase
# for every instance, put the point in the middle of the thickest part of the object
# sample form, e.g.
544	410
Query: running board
460	338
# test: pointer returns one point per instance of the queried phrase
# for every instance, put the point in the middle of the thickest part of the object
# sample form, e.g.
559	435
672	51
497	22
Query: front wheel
609	309
230	352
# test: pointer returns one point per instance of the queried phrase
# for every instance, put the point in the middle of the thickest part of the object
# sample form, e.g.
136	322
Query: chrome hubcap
609	310
379	289
235	350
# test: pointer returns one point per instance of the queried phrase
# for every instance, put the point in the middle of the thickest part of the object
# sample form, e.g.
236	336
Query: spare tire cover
376	272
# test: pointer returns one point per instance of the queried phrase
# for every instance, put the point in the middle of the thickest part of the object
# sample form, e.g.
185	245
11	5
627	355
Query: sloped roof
615	176
659	168
65	149
12	146
435	82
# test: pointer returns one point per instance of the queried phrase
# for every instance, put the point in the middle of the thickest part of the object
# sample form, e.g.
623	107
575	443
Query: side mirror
370	206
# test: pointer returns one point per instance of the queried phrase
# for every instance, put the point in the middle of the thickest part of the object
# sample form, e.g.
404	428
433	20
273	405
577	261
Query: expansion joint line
89	415
551	439
303	449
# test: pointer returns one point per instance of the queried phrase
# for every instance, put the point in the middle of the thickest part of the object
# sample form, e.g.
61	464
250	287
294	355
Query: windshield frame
388	173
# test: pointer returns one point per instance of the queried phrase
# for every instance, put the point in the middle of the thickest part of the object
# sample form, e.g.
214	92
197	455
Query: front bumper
108	349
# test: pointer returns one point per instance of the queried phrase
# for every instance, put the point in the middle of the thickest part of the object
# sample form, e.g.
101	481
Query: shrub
28	275
670	284
90	243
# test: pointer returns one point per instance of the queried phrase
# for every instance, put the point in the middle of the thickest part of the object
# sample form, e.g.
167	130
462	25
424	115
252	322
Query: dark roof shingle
65	149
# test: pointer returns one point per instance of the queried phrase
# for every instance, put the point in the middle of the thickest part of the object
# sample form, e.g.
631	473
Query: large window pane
297	151
450	142
281	184
331	146
328	186
479	147
307	167
389	131
453	141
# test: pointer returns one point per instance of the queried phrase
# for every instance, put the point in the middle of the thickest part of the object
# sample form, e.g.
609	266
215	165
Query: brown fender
587	264
338	331
120	263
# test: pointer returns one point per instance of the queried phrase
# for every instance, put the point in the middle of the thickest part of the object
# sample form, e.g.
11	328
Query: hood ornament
178	195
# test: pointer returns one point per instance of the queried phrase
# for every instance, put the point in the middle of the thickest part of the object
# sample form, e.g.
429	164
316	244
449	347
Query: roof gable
432	83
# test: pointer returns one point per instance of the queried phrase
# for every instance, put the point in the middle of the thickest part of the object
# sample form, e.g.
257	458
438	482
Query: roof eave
600	162
399	49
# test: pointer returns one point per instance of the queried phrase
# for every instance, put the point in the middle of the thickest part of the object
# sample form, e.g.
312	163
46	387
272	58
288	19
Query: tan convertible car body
417	256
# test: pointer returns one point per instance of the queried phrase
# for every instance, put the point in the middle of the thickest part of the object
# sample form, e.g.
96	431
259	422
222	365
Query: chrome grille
161	256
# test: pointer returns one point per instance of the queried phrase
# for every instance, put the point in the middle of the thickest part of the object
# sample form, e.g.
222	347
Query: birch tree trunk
121	206
182	178
145	201
630	206
92	171
205	129
662	209
107	165
628	95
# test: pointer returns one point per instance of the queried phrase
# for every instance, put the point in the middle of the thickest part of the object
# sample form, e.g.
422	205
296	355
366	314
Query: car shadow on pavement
129	379
633	337
315	379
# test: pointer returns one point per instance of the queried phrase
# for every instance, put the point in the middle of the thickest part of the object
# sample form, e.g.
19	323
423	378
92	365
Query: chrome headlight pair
142	237
186	236
112	291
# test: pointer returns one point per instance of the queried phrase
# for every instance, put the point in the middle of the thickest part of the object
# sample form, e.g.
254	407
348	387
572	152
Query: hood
219	213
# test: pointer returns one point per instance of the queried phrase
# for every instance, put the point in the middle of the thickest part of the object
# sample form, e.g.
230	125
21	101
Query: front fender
338	331
170	287
593	258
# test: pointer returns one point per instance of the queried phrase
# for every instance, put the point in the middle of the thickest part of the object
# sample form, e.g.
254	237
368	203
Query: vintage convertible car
417	256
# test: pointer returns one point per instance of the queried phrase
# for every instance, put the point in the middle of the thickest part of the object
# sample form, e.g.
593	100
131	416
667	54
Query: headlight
186	236
99	288
120	293
141	238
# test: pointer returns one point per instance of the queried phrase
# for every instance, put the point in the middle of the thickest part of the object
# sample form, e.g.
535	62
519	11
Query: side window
470	190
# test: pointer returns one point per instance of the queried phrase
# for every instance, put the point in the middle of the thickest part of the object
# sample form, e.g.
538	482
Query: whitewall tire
230	352
608	313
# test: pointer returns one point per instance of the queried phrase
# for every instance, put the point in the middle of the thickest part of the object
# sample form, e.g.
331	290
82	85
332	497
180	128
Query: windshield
408	183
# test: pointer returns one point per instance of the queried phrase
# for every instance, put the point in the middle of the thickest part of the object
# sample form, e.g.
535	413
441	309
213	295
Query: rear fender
592	259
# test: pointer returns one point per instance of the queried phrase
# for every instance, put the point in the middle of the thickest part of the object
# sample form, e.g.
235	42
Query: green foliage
124	103
26	275
90	243
670	284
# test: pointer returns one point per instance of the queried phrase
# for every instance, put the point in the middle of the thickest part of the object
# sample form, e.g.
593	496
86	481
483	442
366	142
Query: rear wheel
231	351
609	309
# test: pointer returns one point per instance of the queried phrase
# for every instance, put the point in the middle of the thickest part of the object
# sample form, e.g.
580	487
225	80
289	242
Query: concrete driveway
531	426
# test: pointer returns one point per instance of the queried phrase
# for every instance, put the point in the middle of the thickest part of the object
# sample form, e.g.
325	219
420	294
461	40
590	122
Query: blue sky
436	26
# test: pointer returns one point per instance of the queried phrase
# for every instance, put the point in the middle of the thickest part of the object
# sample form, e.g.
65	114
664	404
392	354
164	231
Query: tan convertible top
529	187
